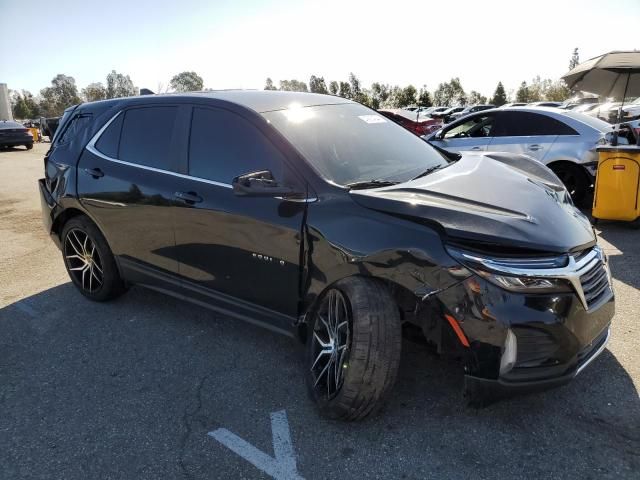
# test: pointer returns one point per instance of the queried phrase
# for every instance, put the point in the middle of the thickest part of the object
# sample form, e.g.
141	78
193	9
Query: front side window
146	136
223	145
348	143
477	127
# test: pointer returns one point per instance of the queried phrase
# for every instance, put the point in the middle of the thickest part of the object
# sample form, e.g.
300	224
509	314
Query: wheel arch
73	212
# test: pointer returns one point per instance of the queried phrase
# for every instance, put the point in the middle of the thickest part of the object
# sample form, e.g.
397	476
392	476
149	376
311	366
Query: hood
497	199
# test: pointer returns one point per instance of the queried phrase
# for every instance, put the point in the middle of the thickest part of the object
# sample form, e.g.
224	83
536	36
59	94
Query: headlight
515	274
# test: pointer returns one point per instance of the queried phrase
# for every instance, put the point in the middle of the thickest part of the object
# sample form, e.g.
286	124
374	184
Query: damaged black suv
319	218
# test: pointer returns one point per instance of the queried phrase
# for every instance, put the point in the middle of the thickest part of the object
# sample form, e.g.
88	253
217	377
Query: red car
412	121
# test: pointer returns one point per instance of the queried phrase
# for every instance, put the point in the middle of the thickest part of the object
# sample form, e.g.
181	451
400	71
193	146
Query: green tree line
447	94
63	93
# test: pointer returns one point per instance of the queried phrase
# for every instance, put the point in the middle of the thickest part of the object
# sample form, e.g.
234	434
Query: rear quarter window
109	141
73	127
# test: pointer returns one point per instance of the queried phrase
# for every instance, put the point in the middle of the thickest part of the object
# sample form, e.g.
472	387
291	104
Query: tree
522	94
344	90
317	85
62	94
379	95
268	85
450	93
475	98
119	85
557	91
333	87
23	105
406	96
187	82
94	91
19	107
575	59
424	97
499	96
357	94
293	86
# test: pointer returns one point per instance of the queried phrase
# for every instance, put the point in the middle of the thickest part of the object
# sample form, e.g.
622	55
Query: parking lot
133	388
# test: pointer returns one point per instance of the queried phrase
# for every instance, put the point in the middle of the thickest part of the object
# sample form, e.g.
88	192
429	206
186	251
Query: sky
238	44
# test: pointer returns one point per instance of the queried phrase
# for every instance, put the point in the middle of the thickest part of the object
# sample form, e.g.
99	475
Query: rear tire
575	179
89	261
353	355
29	146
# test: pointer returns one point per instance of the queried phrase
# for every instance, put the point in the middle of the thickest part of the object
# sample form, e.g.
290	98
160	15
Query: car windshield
349	143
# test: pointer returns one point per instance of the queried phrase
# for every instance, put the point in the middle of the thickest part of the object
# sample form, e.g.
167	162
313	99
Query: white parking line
283	466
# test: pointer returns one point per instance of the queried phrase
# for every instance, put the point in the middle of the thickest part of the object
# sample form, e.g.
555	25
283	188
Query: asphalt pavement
150	387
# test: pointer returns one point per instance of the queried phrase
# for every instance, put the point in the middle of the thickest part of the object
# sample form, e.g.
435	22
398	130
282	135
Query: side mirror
259	184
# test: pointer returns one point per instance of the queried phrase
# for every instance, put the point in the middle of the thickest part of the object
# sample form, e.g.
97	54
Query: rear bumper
16	141
50	210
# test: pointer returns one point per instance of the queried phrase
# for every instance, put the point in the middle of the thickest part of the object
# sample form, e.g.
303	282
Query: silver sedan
563	140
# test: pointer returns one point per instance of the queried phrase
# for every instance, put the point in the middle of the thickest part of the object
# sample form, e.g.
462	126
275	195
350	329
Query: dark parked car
319	218
468	111
414	122
12	134
48	126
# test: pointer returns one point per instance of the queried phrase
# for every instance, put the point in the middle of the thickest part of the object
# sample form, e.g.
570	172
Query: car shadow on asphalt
141	380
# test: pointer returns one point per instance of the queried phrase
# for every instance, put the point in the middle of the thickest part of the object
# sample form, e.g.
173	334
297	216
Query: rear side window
146	136
110	138
526	124
223	145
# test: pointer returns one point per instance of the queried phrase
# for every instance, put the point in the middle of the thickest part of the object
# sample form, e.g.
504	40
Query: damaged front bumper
556	337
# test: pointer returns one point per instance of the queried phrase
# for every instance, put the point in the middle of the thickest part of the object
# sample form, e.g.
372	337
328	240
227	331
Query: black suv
319	218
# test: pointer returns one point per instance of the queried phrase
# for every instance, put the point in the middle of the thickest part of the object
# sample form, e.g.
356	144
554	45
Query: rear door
234	249
472	133
529	133
126	183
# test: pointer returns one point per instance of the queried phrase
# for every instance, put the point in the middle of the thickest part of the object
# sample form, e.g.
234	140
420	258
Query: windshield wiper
370	184
428	171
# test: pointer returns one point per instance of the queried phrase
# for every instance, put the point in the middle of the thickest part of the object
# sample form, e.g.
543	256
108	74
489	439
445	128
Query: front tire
353	349
29	146
89	261
575	179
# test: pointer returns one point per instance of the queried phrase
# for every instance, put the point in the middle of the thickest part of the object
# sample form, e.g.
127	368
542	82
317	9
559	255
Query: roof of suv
258	100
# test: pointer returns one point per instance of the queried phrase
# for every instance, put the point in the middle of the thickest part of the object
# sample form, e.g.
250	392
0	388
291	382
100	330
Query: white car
563	140
631	111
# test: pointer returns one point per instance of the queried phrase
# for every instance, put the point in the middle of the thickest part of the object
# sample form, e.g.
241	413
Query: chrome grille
595	284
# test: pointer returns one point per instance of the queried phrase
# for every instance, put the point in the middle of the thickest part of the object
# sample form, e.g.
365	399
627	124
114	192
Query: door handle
94	172
188	197
535	147
476	148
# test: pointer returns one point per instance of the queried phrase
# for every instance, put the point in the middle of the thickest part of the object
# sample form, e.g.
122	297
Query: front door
240	249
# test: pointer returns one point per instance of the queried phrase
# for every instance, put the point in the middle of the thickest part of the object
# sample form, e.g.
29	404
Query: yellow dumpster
35	133
617	183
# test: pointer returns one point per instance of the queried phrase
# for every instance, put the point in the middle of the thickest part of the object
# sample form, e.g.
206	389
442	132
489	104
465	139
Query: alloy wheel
83	260
331	342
